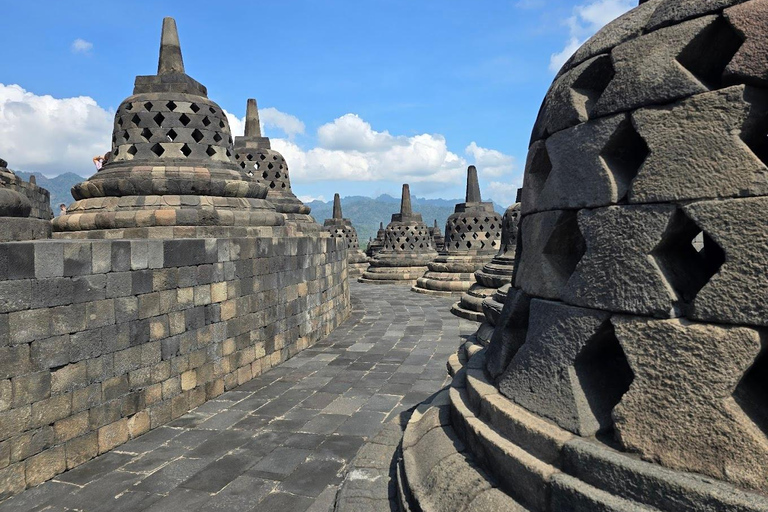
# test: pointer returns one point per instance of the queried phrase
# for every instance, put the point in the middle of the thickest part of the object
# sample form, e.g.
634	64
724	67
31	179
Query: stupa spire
170	50
405	202
252	126
336	206
473	186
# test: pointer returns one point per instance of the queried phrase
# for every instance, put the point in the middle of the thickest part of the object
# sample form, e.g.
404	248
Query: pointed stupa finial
170	49
405	202
435	223
473	186
336	206
252	126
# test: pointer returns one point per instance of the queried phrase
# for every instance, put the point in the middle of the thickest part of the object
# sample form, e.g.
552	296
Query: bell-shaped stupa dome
256	158
627	370
407	248
171	165
339	227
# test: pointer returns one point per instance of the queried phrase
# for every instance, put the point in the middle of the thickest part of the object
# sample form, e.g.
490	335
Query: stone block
81	449
553	247
31	443
113	435
77	259
572	95
48	411
685	370
510	332
69	377
581	176
12	480
570	370
49	259
16	295
71	427
45	465
723	126
68	319
621	269
17	261
138	424
750	63
50	352
121	256
119	284
85	345
6	394
29	325
30	388
101	253
648	71
737	291
14	421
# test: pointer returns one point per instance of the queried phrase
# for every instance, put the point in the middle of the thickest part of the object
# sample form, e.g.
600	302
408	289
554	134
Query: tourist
98	161
62	209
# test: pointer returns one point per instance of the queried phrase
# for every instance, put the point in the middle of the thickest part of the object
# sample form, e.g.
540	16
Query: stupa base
356	269
471	448
392	275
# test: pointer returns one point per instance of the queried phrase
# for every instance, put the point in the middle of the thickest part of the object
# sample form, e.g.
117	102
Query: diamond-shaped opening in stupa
685	268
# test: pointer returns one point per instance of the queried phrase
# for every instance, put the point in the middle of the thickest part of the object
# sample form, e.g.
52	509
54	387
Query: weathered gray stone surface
543	375
688	407
750	64
648	72
619	271
738	292
407	248
511	330
582	174
171	165
283	440
701	136
553	247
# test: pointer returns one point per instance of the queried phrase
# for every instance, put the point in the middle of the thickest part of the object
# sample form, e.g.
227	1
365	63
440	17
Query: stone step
437	471
573	495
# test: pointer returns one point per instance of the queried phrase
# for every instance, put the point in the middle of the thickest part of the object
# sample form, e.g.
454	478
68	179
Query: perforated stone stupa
630	370
25	209
171	172
339	227
437	237
377	243
255	156
472	237
407	248
492	277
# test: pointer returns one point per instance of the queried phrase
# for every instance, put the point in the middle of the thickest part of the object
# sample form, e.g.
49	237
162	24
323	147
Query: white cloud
52	135
309	199
81	46
55	135
269	118
490	162
587	19
288	124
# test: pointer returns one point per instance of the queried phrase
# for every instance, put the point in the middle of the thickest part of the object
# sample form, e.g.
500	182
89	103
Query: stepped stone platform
284	440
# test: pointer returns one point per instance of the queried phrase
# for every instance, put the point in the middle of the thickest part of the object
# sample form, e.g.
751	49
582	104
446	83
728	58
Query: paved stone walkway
283	441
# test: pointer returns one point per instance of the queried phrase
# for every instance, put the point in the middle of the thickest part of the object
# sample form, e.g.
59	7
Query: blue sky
359	96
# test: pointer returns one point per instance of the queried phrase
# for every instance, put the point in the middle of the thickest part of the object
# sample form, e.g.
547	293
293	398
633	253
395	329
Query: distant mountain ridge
60	187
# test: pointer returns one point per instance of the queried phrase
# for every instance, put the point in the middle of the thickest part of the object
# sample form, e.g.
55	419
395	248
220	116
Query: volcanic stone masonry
340	227
485	299
255	156
103	340
437	237
375	245
407	248
171	172
25	208
629	370
472	235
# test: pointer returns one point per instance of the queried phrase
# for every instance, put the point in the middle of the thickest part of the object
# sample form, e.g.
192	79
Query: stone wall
101	341
38	196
